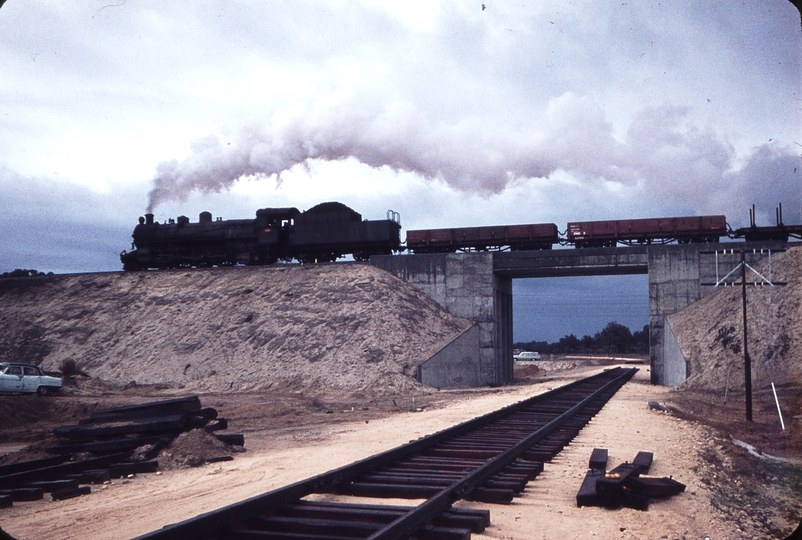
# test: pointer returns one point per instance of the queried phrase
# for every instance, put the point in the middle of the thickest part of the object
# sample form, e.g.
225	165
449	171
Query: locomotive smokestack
149	219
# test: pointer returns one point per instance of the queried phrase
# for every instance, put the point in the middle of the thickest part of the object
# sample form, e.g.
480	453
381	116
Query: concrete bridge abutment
466	286
478	287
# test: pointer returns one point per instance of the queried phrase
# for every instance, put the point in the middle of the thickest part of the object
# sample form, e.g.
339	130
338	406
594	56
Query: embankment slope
349	326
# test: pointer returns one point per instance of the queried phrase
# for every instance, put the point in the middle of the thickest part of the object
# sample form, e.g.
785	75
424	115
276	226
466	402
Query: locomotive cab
273	227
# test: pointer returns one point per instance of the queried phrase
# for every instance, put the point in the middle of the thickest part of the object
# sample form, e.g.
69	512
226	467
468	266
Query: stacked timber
111	443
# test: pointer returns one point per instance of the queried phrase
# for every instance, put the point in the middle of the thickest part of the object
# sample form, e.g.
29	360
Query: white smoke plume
670	160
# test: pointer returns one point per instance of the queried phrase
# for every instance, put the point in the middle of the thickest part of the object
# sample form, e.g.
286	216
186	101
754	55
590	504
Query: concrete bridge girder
478	287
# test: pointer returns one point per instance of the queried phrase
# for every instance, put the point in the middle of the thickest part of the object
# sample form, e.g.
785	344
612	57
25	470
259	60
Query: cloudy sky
451	113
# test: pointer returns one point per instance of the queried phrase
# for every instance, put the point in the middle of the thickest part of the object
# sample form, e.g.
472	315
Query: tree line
615	338
21	272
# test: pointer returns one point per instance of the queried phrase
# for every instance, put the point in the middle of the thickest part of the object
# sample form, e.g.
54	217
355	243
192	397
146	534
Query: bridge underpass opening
549	308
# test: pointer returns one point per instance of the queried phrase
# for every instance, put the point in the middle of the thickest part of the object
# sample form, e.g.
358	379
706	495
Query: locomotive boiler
325	232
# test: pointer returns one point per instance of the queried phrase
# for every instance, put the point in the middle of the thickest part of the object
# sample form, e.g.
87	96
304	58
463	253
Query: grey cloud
772	175
55	227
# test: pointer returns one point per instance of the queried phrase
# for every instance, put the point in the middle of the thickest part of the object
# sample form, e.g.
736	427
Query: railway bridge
478	287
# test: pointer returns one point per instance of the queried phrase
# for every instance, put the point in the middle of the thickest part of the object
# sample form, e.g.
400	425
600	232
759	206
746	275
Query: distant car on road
27	378
526	355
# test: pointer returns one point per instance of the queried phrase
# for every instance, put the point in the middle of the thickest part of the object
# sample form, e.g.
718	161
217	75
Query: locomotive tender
325	232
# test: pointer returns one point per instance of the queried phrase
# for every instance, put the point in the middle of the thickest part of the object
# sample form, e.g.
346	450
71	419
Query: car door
12	379
30	379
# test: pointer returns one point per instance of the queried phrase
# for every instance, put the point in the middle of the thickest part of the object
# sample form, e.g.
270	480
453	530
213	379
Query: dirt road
297	437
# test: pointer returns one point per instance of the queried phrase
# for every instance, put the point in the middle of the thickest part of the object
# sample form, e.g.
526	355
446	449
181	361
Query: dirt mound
710	331
347	326
193	449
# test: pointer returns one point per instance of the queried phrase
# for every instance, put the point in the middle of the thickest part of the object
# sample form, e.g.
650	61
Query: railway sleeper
478	446
428	467
93	476
507	474
70	493
539	455
516	486
421	458
387	491
59	471
598	459
109	446
398	480
432	473
120	470
30	465
614	481
508	439
643	460
491	495
326	528
425	533
503	436
474	519
50	486
463	453
23	494
154	408
587	494
438	465
531	468
506	425
166	424
509	479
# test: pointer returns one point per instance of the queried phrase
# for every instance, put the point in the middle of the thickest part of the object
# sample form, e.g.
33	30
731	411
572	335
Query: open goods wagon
516	237
684	230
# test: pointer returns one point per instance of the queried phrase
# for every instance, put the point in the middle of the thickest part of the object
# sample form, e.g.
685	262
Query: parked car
27	378
526	355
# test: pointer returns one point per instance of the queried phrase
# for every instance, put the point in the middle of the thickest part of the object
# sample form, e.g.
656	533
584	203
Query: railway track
490	458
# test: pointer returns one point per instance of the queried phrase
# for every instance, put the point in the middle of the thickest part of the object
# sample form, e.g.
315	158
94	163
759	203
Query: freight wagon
514	237
684	230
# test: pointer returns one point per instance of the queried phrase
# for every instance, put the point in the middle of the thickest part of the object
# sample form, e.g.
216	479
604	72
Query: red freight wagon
515	237
647	231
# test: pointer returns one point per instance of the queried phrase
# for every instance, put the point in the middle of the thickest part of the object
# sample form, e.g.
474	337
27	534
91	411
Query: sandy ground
311	445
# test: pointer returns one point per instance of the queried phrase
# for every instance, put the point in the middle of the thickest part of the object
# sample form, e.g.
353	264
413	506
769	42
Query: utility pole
747	360
723	282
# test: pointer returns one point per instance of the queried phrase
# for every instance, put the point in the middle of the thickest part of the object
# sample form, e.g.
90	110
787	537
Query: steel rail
405	525
205	525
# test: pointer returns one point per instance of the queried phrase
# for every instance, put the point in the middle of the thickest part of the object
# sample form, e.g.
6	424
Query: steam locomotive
325	232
